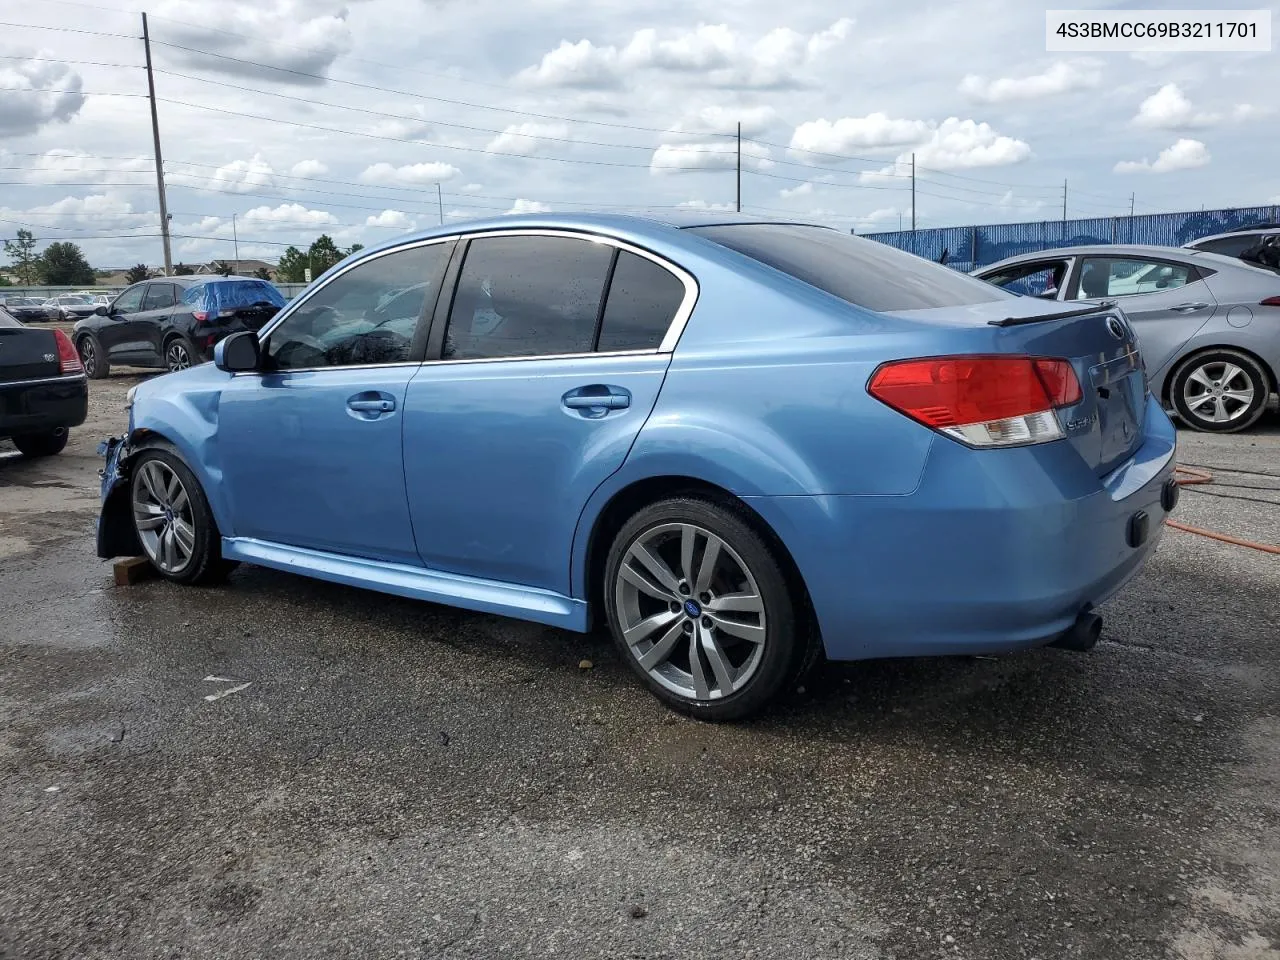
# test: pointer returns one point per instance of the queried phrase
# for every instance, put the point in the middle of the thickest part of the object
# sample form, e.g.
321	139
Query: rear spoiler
1061	315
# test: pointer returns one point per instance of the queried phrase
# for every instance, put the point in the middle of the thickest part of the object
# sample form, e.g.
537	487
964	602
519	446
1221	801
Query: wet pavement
283	768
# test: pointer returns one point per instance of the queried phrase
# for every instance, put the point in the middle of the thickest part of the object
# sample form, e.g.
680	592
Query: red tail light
1270	302
983	401
201	315
68	359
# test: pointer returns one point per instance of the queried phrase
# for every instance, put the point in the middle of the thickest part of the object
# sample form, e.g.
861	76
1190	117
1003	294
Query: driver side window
130	301
364	316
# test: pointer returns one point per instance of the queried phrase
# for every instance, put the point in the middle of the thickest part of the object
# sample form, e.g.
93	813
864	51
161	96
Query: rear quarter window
862	272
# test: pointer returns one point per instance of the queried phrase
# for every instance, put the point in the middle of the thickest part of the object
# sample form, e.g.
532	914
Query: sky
297	118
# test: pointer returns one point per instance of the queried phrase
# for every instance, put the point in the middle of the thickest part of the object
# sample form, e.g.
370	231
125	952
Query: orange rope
1191	477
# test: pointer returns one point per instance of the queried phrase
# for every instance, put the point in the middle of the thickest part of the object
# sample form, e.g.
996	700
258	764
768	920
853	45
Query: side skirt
417	583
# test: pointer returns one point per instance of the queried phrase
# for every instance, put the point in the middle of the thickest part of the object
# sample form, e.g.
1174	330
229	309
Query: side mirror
237	353
101	311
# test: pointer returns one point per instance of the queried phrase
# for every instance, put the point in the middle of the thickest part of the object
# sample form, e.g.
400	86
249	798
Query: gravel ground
400	779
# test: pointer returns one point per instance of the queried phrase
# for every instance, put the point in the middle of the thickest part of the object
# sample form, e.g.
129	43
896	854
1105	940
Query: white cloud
75	166
292	214
704	205
716	51
1247	111
1169	109
60	98
525	139
721	119
723	155
306	36
413	173
956	144
239	176
803	190
390	218
1183	155
472	187
308	168
857	133
1061	77
529	206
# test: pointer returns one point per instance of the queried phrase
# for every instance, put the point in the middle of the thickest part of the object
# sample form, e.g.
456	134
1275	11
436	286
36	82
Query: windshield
862	272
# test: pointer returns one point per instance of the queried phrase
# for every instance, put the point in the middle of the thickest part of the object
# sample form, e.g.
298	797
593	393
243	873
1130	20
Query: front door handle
370	405
596	400
1188	307
610	401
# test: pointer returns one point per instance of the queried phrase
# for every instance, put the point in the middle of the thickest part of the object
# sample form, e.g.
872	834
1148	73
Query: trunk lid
1106	426
27	354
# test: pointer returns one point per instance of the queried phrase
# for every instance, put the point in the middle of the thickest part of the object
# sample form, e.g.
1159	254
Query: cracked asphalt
404	780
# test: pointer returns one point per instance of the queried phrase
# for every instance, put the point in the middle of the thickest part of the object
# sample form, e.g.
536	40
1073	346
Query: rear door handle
1188	307
372	406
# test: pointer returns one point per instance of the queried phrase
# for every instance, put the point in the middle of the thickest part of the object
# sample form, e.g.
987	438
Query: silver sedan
1208	325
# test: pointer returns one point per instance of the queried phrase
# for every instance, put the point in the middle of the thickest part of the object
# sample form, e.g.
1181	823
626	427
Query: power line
89	33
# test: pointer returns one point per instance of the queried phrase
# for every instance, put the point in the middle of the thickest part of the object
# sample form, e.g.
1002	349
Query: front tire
1220	391
92	357
45	444
700	609
171	515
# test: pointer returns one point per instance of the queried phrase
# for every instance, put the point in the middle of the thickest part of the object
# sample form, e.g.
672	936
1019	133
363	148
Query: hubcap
1218	392
705	646
162	515
179	359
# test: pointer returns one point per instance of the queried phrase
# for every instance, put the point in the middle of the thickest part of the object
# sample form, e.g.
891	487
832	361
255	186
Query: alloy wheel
88	357
163	517
177	357
1218	391
690	611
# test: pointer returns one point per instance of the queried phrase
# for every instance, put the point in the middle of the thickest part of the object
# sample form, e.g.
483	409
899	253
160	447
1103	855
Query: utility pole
1131	196
235	238
155	135
738	205
913	198
440	202
1064	208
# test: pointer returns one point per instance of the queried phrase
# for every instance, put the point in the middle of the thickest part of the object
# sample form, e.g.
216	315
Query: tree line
63	264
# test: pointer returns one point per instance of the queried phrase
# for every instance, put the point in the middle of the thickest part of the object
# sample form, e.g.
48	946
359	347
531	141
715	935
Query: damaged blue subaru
736	444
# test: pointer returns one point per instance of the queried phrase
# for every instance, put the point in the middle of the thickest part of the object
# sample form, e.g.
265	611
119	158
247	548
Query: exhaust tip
1083	634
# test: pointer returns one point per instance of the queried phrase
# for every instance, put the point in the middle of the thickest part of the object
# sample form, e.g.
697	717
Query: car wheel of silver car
171	515
178	354
700	608
92	357
1220	391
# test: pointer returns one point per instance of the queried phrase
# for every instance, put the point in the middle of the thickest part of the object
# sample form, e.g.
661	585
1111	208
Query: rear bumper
35	406
996	550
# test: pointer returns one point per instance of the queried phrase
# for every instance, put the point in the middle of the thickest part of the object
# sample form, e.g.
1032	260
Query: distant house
240	268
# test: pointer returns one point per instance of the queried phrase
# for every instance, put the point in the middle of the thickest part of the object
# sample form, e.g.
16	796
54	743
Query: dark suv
172	322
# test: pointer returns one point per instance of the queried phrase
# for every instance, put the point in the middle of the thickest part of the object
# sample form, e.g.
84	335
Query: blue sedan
738	444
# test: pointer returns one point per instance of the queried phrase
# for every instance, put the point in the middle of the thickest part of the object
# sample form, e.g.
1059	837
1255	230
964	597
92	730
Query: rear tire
92	357
42	444
171	515
716	644
1220	391
179	354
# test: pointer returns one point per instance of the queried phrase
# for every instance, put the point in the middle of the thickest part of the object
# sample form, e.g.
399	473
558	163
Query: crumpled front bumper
116	536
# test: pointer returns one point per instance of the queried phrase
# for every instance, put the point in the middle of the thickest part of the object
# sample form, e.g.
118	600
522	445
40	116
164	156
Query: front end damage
117	536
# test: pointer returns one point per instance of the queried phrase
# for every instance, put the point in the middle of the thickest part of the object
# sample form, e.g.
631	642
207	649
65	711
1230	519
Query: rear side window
1229	246
7	320
1040	279
159	296
862	272
643	300
525	296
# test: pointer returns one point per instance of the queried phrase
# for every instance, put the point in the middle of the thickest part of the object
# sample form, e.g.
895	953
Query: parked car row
66	306
43	391
1208	323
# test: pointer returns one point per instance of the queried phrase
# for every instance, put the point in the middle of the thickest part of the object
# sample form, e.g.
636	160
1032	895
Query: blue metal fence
977	246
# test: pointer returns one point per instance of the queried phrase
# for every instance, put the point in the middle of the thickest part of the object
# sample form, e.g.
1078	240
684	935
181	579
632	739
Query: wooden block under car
132	570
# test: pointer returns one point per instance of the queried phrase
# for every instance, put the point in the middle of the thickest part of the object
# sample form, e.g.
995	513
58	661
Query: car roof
1241	232
1181	254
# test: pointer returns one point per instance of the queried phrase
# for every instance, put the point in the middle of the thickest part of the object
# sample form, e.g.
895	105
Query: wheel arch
626	501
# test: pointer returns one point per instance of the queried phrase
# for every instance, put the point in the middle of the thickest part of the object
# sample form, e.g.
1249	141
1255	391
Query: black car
43	390
26	309
172	322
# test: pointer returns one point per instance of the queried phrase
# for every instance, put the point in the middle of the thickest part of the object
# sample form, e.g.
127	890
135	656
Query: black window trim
424	318
435	343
